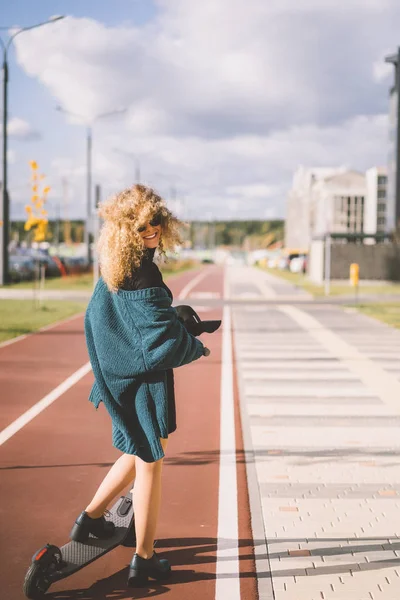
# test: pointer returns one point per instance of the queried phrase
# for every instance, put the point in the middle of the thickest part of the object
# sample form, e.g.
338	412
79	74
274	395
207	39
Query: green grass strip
19	317
387	312
336	289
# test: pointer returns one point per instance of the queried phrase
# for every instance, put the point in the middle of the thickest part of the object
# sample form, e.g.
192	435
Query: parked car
298	264
22	268
75	264
272	263
51	267
283	263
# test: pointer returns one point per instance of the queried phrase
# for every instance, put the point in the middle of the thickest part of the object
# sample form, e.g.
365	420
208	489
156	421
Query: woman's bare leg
121	474
147	501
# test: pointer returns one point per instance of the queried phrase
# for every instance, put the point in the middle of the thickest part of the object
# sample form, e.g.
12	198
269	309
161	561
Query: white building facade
337	204
341	201
300	218
376	209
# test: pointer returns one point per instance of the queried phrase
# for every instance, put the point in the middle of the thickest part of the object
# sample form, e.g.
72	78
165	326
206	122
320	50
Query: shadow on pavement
184	551
355	563
15	467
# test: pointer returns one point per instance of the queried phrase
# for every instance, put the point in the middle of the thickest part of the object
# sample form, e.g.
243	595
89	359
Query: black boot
141	569
84	525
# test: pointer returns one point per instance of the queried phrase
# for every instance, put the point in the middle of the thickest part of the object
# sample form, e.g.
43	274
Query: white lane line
188	288
37	408
204	295
267	291
45	328
379	382
271	355
265	390
227	568
293	366
282	375
316	410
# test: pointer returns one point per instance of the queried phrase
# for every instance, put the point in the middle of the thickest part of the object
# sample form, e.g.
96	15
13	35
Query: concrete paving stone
277	546
291	565
314	400
333	569
281	583
299	552
326	421
331	437
295	366
380	564
288	376
304	473
317	547
306	390
376	556
250	345
346	559
352	585
323	455
295	409
294	596
392	544
325	490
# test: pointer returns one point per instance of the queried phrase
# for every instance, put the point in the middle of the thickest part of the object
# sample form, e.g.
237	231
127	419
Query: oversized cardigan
133	338
148	275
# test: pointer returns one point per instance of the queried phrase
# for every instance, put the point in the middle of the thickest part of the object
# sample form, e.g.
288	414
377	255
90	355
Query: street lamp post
5	204
88	193
135	157
394	59
89	144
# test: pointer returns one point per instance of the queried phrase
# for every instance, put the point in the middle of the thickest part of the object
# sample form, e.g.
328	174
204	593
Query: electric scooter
51	563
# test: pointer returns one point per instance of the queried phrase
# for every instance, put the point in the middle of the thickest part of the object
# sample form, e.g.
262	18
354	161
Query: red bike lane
52	466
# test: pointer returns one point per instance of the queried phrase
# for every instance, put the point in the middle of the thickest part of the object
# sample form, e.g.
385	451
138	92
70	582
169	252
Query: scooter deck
76	555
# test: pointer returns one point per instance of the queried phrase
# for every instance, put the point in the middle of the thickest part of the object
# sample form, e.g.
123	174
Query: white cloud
21	129
254	190
11	156
381	70
225	97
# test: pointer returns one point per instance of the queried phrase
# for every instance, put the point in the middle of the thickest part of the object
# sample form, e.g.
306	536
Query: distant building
337	204
339	201
376	208
300	219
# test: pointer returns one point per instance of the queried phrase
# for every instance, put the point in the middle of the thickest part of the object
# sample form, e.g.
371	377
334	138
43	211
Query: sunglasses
155	221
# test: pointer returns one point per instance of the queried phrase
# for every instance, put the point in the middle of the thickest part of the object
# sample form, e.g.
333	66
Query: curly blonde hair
120	247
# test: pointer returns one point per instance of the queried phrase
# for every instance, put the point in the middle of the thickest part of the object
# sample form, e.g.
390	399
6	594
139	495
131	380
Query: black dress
146	276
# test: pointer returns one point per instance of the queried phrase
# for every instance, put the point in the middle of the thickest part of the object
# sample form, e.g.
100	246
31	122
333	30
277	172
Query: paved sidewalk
321	389
29	294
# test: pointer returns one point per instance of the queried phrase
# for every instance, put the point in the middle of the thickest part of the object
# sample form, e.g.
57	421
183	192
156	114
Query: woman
134	340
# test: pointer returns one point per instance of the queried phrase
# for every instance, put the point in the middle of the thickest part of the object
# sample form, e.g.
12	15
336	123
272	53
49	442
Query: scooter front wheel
36	584
38	578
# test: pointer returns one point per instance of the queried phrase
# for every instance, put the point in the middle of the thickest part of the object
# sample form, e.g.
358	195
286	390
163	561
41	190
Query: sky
216	102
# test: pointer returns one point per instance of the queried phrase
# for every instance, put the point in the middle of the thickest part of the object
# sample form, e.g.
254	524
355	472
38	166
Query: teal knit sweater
133	337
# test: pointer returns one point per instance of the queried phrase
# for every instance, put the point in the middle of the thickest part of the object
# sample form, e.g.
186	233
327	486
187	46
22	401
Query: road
282	480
